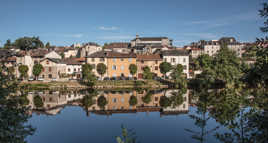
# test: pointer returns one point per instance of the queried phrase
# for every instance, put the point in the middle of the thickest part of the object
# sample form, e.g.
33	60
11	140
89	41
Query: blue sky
64	22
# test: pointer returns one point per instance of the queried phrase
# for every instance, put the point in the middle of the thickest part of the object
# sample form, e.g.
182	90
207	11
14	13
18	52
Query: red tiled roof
149	57
117	45
111	54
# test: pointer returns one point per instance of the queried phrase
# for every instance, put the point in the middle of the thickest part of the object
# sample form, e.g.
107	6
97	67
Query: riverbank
37	85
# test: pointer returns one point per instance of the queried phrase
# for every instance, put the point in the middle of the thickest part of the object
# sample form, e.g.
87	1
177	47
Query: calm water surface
70	124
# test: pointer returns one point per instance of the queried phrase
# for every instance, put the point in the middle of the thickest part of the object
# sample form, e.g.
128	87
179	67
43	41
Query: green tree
47	45
23	69
102	101
165	68
8	44
38	102
203	61
128	136
88	76
147	74
14	113
164	101
179	77
176	98
133	69
101	69
133	100
37	69
28	43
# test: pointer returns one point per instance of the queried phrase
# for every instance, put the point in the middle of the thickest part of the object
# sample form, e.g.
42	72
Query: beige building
153	61
88	49
53	69
164	41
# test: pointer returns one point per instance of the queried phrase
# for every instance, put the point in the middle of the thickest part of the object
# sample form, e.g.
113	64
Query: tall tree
147	74
37	69
47	45
8	44
101	69
178	77
132	69
28	43
14	114
23	69
165	67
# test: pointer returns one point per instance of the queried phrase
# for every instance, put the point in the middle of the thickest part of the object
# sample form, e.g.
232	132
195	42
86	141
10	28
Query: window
114	59
114	67
156	98
173	60
102	59
69	69
184	67
156	62
50	76
156	68
183	105
93	60
122	59
142	62
49	69
122	100
47	62
93	66
184	98
165	59
184	60
74	69
122	67
129	59
114	100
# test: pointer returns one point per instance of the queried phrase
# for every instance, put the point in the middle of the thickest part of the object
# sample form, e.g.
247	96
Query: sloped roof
111	54
150	38
175	53
117	45
71	61
148	57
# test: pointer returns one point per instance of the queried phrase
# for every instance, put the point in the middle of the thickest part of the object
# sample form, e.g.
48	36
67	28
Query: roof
71	61
149	57
117	45
39	52
59	61
150	38
11	59
175	53
111	54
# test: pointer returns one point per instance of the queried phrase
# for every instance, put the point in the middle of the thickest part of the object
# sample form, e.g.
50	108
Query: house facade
153	61
175	57
53	69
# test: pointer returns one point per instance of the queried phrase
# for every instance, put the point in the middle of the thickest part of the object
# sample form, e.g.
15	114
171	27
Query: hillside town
65	63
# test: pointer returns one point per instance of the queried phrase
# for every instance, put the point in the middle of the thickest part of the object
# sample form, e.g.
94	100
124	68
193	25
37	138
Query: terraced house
153	61
117	63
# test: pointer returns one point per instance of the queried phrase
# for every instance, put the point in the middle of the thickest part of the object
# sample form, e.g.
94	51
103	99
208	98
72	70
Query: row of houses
213	46
64	63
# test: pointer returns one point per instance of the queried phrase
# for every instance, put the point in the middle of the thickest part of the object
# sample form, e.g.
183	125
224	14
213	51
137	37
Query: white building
89	49
175	57
164	41
53	55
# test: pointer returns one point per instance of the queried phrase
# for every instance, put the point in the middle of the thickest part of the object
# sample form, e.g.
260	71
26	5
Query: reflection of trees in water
201	117
13	112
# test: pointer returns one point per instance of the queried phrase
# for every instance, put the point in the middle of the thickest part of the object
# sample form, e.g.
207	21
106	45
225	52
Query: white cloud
73	35
108	28
120	37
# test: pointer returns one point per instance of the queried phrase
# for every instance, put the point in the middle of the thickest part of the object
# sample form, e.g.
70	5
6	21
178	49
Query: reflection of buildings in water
183	108
117	101
53	99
